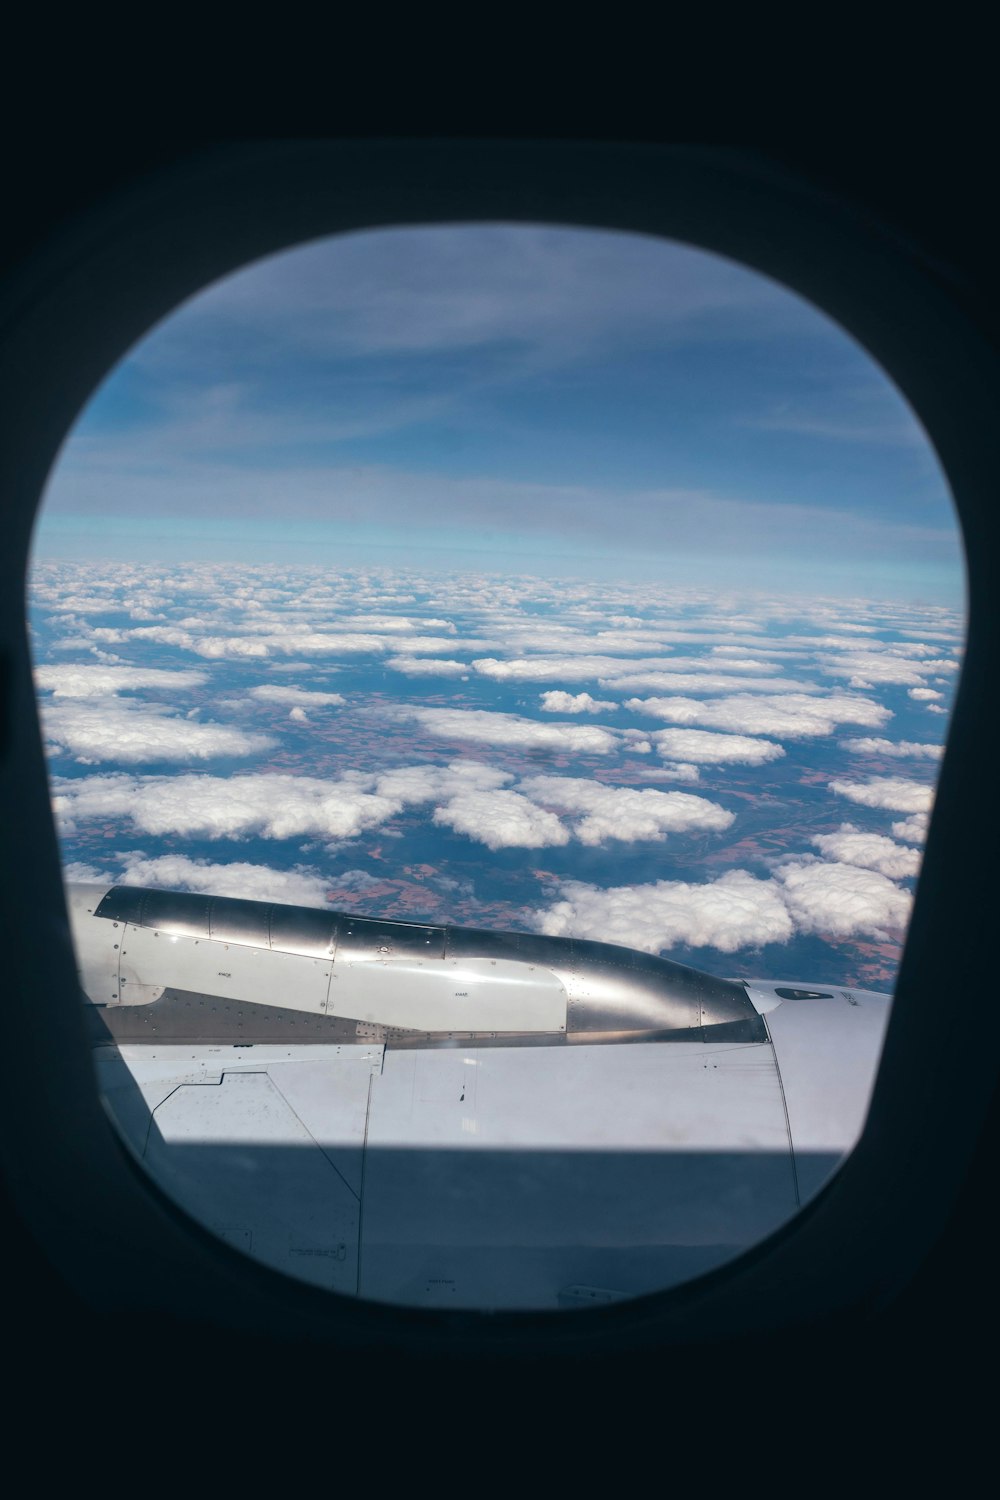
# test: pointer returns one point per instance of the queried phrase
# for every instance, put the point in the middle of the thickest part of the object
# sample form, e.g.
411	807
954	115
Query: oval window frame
73	311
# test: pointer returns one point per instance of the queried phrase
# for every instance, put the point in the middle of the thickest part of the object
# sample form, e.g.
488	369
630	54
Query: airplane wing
448	1116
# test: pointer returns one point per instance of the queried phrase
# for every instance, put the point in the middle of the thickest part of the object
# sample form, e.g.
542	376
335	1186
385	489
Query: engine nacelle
173	954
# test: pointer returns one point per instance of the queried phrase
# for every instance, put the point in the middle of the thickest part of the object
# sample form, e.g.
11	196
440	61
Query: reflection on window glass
494	679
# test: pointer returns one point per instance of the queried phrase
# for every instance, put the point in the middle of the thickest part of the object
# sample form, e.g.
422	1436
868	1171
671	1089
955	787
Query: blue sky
507	397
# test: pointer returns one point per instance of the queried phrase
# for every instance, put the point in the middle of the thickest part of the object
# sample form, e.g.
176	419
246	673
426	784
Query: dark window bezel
70	313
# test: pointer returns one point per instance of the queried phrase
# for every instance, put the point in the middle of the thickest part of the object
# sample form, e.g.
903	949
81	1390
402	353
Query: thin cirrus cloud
580	393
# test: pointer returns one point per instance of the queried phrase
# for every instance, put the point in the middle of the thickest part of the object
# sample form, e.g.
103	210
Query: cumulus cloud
735	911
895	793
412	785
872	851
904	749
924	694
706	747
575	703
681	771
796	715
303	697
396	624
272	805
176	872
622	812
502	820
912	830
676	674
98	682
843	900
78	872
704	681
738	910
299	716
480	726
636	742
268	805
865	669
473	799
793	714
569	668
428	666
119	732
285	642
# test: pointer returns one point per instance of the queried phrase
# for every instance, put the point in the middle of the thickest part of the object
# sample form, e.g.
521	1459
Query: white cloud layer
285	642
796	715
704	681
473	799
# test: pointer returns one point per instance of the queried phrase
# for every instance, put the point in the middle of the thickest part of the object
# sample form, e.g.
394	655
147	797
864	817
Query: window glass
494	679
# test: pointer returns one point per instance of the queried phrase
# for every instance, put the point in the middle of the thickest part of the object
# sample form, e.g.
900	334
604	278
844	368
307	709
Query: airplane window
494	679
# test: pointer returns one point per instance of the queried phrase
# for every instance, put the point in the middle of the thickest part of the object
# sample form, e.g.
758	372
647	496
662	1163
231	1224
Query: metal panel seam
784	1106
